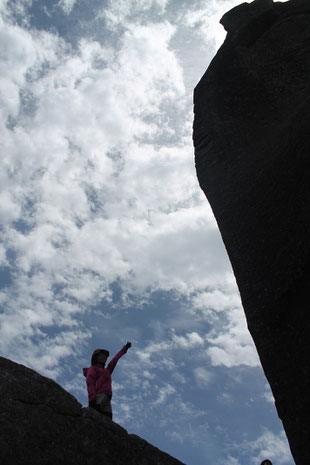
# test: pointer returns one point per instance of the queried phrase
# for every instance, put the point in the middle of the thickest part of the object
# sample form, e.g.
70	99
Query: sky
105	234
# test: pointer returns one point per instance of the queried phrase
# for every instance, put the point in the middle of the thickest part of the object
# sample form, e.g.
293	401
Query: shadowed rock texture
252	147
42	424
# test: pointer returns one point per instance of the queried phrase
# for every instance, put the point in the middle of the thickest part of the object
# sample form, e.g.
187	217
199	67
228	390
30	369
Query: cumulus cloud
188	341
229	342
269	445
72	205
206	20
98	178
217	300
232	346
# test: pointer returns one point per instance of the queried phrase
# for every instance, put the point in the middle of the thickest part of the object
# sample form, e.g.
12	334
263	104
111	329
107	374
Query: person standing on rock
99	381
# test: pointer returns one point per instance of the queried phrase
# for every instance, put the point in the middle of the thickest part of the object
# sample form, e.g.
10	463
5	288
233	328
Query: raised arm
116	357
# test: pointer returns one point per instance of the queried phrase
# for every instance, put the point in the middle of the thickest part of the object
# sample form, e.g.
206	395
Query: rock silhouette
252	146
42	424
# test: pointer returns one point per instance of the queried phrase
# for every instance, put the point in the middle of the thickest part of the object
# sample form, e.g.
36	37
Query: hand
128	345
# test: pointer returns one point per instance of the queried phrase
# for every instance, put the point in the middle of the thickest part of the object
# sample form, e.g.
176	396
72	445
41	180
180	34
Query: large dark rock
252	147
42	424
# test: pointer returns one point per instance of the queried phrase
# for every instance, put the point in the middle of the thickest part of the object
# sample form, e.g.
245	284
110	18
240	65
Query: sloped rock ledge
42	424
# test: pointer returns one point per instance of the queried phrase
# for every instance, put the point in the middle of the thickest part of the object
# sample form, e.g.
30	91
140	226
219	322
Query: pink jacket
98	379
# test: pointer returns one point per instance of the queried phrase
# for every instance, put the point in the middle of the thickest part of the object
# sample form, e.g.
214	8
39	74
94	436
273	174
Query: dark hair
96	353
266	462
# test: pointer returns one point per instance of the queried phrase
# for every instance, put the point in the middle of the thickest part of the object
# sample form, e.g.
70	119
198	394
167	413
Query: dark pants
104	403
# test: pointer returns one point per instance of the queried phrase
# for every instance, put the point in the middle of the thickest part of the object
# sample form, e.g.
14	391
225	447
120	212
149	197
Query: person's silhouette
99	381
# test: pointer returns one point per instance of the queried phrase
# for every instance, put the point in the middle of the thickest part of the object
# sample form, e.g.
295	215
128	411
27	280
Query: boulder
252	146
42	424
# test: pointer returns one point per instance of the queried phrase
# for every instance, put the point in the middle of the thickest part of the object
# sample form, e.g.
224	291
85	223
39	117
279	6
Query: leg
104	401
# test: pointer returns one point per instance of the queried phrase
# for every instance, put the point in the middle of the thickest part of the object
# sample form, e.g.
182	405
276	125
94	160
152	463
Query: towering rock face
252	148
42	424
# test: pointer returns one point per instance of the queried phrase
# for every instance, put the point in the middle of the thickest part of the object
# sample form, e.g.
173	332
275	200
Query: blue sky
106	236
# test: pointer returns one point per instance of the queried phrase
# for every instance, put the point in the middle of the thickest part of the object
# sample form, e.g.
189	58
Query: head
266	462
99	357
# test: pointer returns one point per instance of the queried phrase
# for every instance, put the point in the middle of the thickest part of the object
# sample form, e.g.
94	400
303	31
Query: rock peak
259	13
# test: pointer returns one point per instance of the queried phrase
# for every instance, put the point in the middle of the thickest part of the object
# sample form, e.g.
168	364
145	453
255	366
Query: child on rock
99	381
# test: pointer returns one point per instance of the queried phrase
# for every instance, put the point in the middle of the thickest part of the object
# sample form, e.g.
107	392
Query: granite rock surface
42	424
252	148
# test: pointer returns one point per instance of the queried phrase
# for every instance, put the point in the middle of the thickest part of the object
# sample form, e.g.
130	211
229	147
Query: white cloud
207	21
267	395
67	5
148	375
174	436
203	377
3	260
217	300
229	342
175	342
229	460
269	446
232	345
190	340
84	215
19	7
165	391
47	362
9	208
98	195
76	384
225	398
117	13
